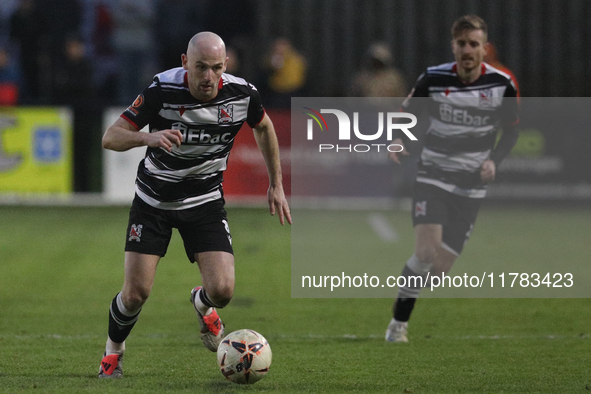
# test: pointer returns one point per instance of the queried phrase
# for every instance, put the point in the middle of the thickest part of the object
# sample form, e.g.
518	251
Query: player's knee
418	266
133	300
427	254
221	295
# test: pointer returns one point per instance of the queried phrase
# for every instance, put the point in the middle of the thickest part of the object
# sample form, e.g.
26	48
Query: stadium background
543	42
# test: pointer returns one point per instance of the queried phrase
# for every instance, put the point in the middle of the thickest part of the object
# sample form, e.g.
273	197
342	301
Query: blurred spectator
491	57
177	22
285	73
104	56
26	28
73	75
102	32
133	42
7	8
9	78
73	86
38	27
62	20
378	77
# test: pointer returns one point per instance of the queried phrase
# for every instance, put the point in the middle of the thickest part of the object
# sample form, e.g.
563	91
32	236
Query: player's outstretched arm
264	134
122	136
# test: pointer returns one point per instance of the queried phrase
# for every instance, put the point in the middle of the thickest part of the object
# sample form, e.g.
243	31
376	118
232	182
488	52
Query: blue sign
47	145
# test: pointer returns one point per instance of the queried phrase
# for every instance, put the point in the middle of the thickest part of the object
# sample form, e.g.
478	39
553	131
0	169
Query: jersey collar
454	69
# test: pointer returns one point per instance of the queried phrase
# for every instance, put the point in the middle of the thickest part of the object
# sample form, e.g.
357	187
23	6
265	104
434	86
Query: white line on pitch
382	227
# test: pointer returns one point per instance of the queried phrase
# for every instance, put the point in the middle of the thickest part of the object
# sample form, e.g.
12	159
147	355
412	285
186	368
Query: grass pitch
60	268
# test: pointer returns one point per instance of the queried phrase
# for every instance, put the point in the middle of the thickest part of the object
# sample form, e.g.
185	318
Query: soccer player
467	102
194	113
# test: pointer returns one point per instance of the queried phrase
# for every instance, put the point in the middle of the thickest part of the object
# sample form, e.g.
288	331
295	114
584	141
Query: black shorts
457	214
203	228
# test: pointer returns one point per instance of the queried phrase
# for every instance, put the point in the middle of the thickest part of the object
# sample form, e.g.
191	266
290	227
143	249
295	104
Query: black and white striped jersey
191	174
464	121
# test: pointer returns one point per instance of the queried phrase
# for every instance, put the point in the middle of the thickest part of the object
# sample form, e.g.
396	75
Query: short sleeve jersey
464	120
190	175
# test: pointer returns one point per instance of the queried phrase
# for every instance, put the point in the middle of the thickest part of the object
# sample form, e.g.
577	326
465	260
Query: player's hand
164	139
278	203
397	156
488	171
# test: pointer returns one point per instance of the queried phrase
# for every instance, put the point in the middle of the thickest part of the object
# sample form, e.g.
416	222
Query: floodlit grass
60	268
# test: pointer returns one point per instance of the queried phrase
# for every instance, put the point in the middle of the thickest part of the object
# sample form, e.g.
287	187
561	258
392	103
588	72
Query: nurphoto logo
391	119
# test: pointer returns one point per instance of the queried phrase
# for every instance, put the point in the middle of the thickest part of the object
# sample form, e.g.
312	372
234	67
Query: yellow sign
35	150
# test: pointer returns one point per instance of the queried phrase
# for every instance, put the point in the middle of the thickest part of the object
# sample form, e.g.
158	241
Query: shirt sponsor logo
139	101
200	136
461	116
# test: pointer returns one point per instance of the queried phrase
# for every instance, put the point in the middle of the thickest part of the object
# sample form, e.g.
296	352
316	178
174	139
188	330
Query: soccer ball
244	356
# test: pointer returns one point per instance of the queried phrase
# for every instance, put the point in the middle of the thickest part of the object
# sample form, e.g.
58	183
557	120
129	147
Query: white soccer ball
244	356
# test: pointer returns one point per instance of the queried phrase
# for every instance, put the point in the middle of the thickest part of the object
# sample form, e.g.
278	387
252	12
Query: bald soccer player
194	113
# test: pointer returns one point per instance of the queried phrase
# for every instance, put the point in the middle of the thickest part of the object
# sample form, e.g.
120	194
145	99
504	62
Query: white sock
403	323
114	347
200	306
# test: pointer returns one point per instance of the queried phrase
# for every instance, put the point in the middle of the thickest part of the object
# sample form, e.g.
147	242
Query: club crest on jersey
421	208
226	113
486	96
135	233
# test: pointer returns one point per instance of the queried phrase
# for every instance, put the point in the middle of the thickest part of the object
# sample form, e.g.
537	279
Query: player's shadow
224	386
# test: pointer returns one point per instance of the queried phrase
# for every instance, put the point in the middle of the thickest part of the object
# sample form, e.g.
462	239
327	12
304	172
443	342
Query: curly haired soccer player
467	101
193	112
